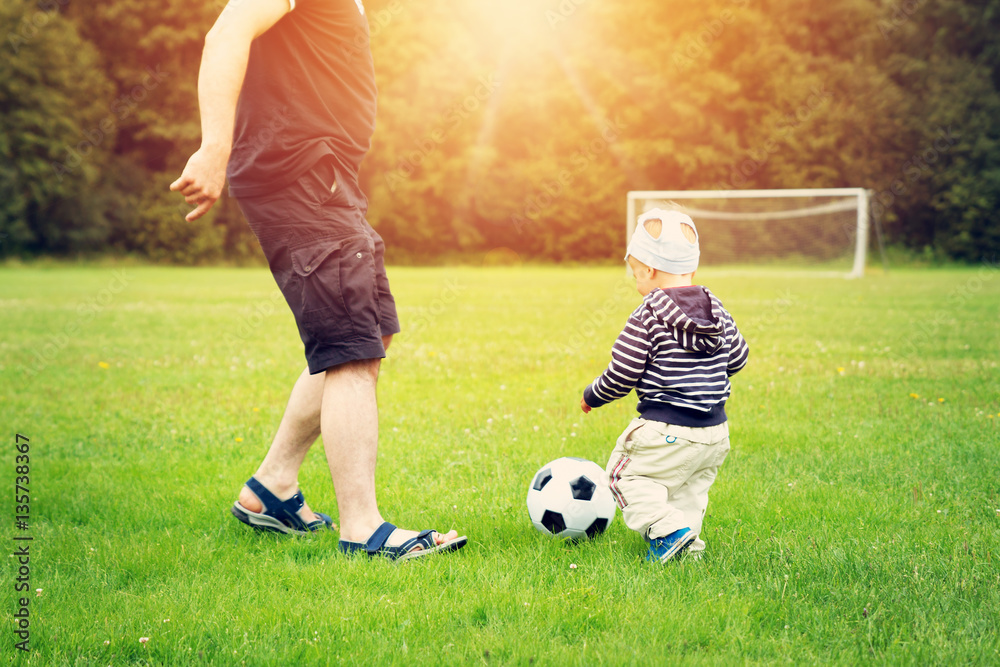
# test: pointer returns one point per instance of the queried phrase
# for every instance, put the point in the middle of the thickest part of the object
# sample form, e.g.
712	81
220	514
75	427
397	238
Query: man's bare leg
299	428
350	437
301	425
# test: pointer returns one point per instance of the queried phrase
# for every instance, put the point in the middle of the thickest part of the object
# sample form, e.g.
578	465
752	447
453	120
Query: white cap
671	252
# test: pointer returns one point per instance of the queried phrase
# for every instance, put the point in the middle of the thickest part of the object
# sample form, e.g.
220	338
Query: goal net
826	227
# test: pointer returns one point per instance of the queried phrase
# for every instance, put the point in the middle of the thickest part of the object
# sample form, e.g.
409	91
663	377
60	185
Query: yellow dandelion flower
914	395
103	364
840	369
256	409
239	439
940	400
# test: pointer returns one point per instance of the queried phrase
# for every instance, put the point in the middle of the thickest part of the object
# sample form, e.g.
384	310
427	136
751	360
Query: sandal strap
375	546
379	538
423	540
322	521
285	511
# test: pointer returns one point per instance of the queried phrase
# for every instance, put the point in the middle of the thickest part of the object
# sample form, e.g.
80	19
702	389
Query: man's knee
361	369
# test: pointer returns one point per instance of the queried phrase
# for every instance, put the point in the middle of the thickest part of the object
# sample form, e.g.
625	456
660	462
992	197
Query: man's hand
223	66
202	180
583	405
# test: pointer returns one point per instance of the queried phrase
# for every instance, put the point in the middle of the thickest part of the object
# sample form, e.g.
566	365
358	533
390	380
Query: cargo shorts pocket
339	296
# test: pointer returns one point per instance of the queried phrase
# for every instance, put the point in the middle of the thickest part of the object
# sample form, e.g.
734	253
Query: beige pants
660	475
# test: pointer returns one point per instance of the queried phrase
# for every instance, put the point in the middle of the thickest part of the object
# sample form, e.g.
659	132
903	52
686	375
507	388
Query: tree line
520	124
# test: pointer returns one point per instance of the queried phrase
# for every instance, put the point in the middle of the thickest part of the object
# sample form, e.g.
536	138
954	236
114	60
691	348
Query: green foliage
946	58
156	77
851	524
724	94
521	125
55	134
162	234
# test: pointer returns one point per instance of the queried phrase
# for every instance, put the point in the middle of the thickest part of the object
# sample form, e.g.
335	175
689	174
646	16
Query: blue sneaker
664	548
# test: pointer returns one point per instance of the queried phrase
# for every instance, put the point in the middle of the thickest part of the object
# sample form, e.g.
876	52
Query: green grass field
857	518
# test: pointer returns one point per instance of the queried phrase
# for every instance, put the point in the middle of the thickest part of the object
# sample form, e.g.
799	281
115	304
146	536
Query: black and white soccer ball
570	498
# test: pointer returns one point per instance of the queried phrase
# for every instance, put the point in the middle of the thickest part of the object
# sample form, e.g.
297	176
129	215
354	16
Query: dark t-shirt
309	92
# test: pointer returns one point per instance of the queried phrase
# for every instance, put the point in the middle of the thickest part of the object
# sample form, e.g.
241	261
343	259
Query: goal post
822	225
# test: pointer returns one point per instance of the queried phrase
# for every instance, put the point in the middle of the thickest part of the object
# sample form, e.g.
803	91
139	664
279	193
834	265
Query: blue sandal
279	516
409	549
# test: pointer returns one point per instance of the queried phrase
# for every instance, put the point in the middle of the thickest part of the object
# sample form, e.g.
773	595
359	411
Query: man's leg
299	428
350	437
343	402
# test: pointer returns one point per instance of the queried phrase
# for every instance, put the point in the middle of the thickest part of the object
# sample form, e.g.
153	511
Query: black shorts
328	263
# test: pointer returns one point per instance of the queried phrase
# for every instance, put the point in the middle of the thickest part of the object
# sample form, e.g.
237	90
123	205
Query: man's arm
223	66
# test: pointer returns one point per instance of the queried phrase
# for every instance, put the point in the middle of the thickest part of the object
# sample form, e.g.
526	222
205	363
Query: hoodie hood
694	315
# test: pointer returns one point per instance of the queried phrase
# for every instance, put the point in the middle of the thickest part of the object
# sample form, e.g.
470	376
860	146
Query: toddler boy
678	350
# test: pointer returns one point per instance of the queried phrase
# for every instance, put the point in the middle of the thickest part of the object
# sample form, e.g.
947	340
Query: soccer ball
570	498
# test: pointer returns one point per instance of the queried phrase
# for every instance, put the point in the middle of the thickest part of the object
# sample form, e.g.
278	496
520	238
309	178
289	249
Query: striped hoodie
677	351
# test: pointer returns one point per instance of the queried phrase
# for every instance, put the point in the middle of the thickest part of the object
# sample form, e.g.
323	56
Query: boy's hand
584	406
